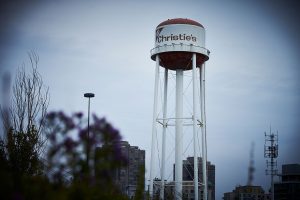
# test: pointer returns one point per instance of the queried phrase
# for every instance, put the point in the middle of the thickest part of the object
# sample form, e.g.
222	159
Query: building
188	177
229	196
248	192
289	187
126	177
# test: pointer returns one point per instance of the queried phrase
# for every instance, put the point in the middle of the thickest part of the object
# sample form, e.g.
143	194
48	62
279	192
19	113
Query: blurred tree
67	153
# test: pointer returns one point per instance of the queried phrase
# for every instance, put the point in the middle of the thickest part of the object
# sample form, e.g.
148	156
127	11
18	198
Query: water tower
180	47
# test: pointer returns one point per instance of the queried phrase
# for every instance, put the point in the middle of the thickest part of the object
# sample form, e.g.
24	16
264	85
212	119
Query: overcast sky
252	77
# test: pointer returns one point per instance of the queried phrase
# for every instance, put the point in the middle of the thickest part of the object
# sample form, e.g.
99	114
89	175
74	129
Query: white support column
203	130
162	187
178	134
195	117
154	124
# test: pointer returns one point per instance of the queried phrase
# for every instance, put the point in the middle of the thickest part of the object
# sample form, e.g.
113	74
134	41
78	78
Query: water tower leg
178	134
195	117
154	123
203	130
162	187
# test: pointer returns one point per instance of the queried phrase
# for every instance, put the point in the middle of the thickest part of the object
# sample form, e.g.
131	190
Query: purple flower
69	144
83	134
52	137
78	115
50	116
101	133
68	121
99	122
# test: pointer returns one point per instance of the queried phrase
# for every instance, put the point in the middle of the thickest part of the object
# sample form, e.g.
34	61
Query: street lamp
88	95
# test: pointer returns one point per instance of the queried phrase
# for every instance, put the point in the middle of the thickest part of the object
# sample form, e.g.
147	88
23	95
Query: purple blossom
101	133
83	134
50	116
78	115
99	122
68	121
69	144
52	137
70	124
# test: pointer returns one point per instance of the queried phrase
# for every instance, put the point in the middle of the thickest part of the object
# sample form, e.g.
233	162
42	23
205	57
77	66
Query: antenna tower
271	153
251	168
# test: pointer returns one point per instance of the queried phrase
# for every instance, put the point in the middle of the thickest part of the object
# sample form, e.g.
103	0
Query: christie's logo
166	38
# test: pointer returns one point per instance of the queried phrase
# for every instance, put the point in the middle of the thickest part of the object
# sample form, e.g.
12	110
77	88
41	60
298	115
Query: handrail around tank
179	47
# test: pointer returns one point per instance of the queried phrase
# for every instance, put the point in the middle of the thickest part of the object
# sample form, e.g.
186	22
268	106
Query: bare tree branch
30	100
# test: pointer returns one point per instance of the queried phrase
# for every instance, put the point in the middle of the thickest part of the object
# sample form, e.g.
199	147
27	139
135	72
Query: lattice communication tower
271	154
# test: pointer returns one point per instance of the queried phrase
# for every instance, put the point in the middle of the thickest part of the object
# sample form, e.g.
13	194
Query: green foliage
140	190
21	152
19	159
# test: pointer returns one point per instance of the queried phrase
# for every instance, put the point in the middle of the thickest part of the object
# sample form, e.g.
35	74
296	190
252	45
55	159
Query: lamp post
88	95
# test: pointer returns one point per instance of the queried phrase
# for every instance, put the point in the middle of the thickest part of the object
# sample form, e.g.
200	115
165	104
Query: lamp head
89	95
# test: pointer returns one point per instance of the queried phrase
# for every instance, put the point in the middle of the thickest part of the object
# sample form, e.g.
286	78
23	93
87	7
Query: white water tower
180	47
